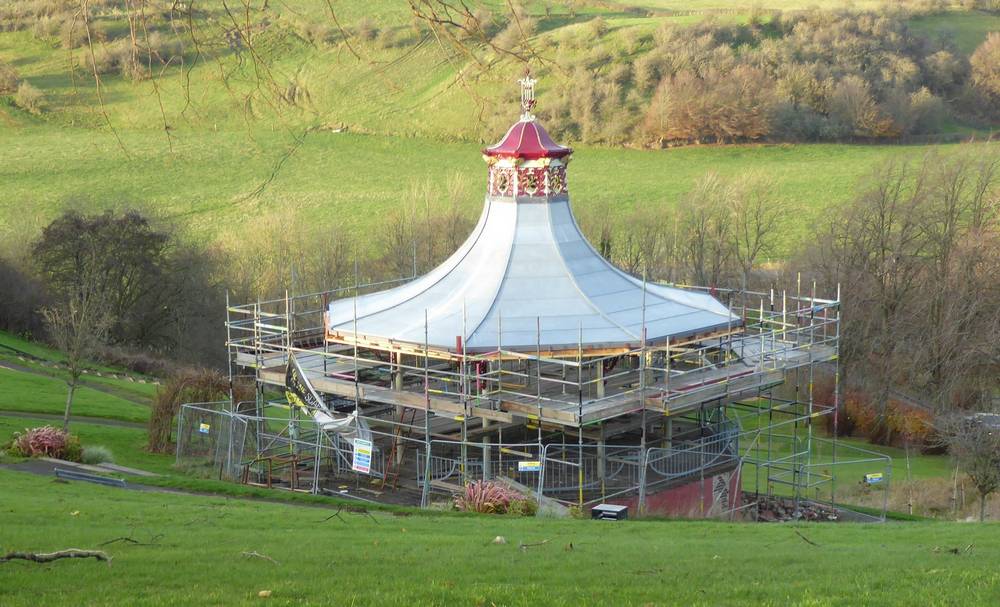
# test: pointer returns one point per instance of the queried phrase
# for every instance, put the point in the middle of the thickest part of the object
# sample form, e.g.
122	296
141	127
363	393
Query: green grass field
740	5
33	382
967	28
388	559
350	181
27	352
410	125
24	392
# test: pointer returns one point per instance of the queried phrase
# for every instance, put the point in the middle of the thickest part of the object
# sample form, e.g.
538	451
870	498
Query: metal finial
527	95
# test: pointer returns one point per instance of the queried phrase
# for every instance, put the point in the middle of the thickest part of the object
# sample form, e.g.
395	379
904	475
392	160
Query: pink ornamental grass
487	497
45	441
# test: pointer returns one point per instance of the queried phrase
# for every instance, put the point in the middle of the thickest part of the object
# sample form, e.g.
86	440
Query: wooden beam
389	345
380	343
490	414
548	414
367	392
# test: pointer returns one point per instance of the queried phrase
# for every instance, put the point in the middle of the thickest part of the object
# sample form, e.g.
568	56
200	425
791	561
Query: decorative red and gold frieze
516	177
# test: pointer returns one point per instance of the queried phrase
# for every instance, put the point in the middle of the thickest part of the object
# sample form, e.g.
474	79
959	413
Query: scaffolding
572	426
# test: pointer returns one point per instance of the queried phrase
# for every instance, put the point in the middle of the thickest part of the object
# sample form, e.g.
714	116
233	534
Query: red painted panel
698	499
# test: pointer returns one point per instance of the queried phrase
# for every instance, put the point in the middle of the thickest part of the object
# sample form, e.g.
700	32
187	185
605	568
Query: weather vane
527	95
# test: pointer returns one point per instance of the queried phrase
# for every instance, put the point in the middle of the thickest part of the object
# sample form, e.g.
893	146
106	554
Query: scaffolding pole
642	401
426	491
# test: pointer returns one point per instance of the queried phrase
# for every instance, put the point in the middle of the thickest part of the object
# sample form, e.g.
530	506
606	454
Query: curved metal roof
528	140
526	265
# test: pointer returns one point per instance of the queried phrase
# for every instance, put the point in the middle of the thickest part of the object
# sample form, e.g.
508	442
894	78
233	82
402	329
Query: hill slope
383	559
217	140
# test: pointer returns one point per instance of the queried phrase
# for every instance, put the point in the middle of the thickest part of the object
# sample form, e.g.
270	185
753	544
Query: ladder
397	448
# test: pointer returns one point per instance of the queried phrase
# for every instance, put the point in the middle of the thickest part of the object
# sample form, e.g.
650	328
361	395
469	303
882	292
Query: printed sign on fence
873	478
529	466
204	428
362	456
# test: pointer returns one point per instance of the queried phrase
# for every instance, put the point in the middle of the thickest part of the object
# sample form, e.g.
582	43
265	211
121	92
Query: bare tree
959	298
645	242
78	328
706	224
756	212
974	442
918	252
398	241
597	224
880	251
287	250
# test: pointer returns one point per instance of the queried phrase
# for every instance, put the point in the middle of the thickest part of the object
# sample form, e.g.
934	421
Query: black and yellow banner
298	390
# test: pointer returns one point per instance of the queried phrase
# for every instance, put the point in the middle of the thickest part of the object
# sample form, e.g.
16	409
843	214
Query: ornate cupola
527	162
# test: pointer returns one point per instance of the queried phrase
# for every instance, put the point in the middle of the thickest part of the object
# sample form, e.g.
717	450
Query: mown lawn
134	386
32	393
387	559
118	382
10	344
128	445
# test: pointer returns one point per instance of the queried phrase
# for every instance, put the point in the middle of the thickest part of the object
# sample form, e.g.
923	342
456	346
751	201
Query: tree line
803	76
814	75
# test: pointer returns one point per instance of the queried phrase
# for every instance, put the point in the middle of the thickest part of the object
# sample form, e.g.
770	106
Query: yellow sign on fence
529	466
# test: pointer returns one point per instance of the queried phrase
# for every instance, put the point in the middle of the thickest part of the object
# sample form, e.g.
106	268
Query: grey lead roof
527	262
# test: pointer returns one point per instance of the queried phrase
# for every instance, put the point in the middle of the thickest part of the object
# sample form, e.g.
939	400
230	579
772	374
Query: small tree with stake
78	327
974	442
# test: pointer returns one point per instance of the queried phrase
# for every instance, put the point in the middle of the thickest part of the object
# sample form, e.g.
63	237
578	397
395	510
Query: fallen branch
48	557
124	540
352	510
365	512
153	541
955	551
524	546
257	555
805	539
335	514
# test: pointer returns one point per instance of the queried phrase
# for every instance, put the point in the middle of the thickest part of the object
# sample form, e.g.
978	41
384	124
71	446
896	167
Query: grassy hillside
386	559
32	380
29	393
404	86
225	135
350	181
967	28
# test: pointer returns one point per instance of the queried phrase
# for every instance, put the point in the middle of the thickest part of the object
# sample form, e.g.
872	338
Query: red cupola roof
528	140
